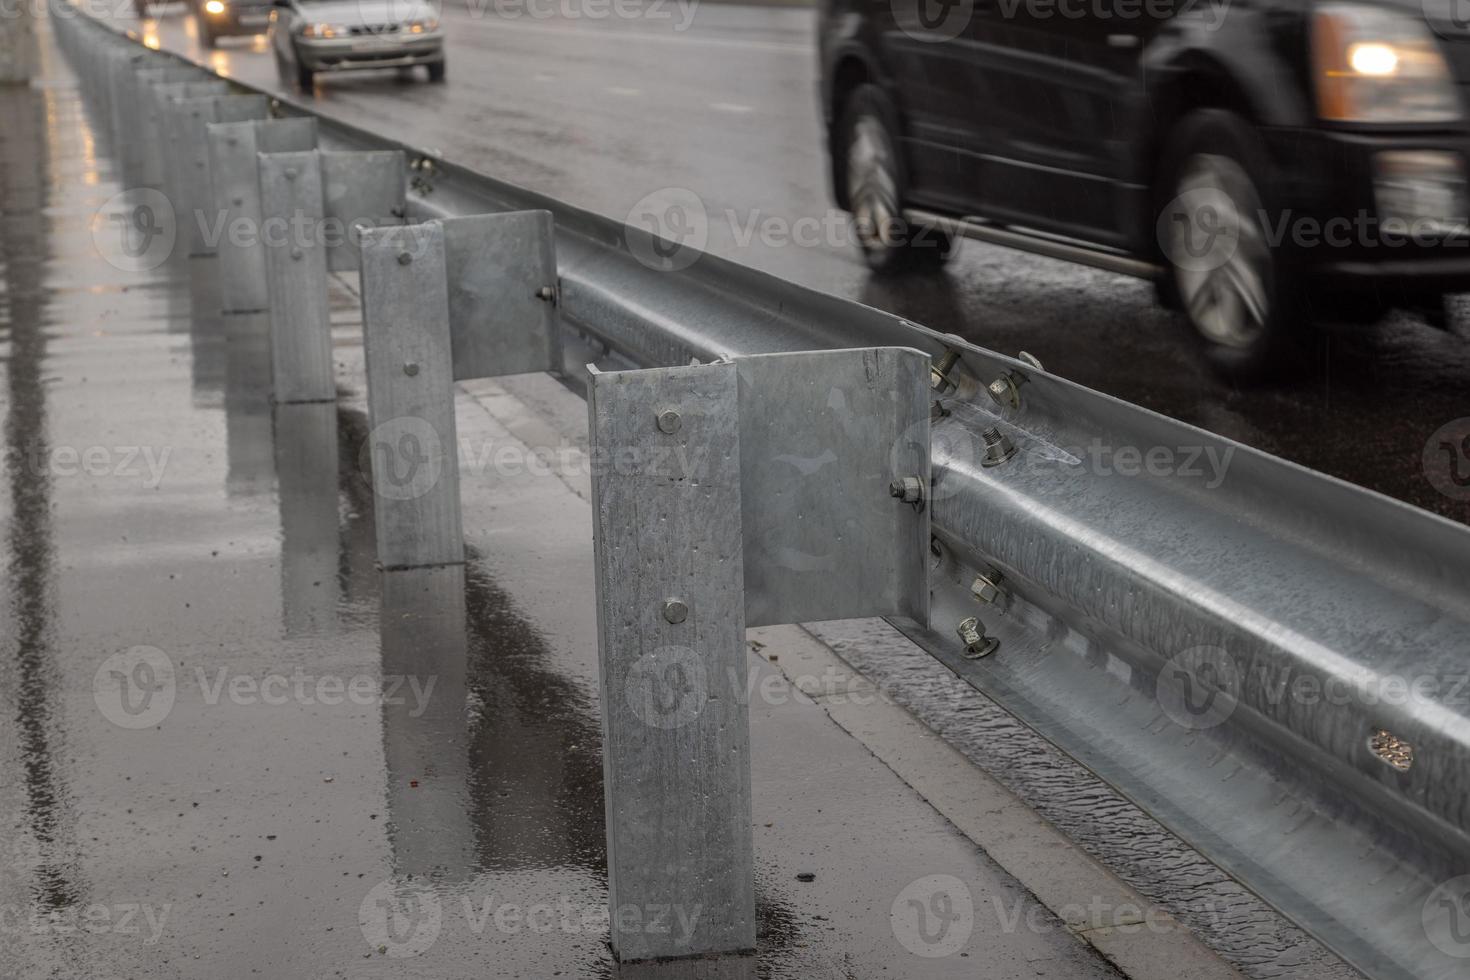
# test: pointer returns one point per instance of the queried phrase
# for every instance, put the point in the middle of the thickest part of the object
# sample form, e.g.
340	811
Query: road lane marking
731	107
636	35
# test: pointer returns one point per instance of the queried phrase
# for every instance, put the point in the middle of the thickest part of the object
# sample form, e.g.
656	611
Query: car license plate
254	20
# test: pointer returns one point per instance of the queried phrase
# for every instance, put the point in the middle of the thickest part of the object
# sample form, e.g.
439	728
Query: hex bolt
1006	389
987	587
669	421
998	448
676	611
404	258
410	368
977	644
296	253
290	173
909	489
547	293
940	369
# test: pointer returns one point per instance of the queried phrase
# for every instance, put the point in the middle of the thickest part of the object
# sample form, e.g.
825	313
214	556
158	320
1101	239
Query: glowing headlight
325	30
214	7
1374	64
422	26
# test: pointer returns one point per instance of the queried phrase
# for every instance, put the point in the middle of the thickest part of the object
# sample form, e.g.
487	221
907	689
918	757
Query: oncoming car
1269	164
311	36
224	18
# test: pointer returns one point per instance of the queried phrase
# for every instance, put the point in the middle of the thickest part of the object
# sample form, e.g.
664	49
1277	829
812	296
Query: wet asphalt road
721	100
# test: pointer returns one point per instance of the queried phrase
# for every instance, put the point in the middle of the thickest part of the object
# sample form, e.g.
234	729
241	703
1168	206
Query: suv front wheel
1222	271
874	180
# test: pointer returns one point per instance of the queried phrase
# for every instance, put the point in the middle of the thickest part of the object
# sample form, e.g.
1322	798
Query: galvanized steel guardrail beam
1270	661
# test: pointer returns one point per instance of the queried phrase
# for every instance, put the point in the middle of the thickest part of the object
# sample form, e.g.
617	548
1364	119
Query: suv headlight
325	30
1377	65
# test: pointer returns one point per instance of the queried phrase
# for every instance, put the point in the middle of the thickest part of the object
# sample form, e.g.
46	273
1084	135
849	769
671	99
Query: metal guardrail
1269	661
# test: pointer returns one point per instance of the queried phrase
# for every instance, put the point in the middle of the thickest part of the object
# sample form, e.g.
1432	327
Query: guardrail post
168	176
333	197
187	123
234	173
671	640
470	297
413	444
296	267
757	491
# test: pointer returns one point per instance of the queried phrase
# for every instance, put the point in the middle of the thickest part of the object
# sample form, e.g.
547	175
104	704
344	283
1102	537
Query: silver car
310	36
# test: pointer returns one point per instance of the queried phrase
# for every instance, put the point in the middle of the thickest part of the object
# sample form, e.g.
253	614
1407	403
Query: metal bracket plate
822	436
500	320
362	188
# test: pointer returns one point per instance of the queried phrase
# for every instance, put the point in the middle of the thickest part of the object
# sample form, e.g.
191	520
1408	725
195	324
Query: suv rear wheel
1235	288
874	180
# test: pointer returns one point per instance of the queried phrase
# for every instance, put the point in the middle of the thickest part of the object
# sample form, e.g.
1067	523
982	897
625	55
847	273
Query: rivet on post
669	421
676	611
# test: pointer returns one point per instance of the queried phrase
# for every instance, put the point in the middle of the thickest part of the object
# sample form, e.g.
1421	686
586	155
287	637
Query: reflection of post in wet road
29	677
425	739
306	479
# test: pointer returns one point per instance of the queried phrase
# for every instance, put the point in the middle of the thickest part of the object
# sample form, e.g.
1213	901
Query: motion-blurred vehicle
1269	164
215	19
311	36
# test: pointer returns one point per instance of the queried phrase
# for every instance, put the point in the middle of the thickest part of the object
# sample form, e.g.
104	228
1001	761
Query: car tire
871	165
305	78
436	71
1241	294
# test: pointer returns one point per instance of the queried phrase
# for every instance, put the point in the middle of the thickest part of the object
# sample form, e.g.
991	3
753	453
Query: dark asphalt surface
720	100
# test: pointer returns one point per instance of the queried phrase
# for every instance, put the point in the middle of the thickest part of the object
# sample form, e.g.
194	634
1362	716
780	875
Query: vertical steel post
235	179
296	267
671	645
413	445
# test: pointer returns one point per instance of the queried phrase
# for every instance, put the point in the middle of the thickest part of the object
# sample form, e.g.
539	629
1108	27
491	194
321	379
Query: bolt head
909	489
290	173
410	369
669	421
404	258
296	253
676	610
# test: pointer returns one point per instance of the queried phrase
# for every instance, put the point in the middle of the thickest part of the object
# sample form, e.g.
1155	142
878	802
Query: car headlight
325	30
214	7
1377	65
422	26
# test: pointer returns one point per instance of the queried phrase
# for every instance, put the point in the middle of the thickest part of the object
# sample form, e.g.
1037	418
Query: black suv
1268	163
